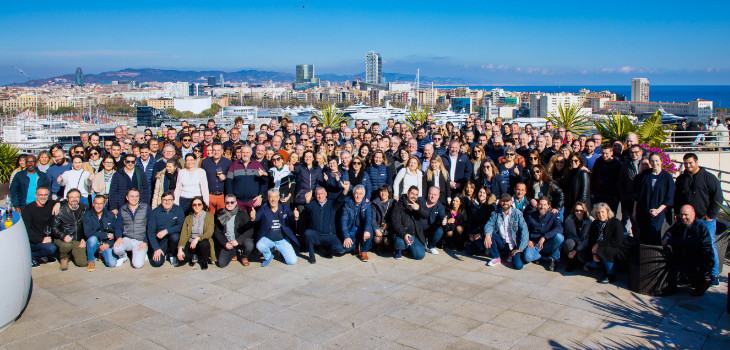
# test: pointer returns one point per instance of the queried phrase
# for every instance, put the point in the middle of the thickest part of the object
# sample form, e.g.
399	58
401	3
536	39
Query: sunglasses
533	158
509	154
575	161
197	204
288	143
129	162
356	163
233	202
580	211
94	153
187	140
331	144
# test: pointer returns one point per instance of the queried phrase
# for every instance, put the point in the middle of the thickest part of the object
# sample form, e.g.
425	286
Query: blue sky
545	42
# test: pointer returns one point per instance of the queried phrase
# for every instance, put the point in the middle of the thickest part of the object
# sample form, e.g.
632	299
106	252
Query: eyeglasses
167	199
231	202
187	140
79	152
197	204
129	162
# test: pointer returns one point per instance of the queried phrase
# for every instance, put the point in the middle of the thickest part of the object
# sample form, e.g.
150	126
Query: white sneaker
494	262
121	261
433	251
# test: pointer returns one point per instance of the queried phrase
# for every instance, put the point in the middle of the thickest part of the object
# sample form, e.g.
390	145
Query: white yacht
450	116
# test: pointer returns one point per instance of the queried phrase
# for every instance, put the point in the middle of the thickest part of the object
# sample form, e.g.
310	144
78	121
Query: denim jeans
417	249
499	245
434	237
131	245
606	264
551	247
264	246
712	227
356	235
92	245
41	250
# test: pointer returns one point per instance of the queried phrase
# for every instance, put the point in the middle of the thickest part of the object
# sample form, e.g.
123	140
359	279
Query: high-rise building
79	77
211	81
305	77
374	68
305	73
640	90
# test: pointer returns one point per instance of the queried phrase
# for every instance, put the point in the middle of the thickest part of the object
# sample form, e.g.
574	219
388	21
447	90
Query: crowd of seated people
208	195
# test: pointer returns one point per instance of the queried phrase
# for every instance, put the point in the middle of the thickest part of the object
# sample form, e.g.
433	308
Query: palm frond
571	118
652	132
416	115
329	116
617	127
8	158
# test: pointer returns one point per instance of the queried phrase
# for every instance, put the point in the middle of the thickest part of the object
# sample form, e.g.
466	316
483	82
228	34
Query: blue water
718	94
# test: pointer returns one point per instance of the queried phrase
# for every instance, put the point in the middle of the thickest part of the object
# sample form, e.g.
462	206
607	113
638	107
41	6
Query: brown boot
364	256
244	261
64	264
91	266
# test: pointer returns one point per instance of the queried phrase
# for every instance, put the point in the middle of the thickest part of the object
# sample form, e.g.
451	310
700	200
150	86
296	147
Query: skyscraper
211	81
305	73
374	68
79	77
640	90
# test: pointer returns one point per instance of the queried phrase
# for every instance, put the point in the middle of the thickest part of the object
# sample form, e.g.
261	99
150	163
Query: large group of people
518	194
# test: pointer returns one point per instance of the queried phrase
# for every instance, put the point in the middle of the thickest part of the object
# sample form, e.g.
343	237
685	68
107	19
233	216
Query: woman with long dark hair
165	180
653	198
540	184
577	182
196	237
490	178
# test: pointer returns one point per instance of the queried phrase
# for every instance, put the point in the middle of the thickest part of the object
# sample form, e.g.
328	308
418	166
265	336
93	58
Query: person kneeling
196	237
546	233
690	246
407	215
131	230
275	220
99	231
67	230
163	230
356	223
606	242
511	234
234	232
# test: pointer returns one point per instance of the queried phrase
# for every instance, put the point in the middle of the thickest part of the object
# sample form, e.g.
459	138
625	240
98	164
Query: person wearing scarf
234	233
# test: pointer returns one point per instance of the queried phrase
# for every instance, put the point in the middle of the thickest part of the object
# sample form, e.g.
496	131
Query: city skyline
537	43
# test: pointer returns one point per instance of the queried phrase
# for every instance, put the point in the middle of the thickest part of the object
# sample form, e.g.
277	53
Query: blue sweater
161	219
547	226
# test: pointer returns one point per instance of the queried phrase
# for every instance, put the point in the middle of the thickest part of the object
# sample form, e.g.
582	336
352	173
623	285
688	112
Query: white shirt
452	166
504	229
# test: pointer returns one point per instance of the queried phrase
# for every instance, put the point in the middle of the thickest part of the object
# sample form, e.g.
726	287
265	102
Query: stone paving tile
495	336
439	302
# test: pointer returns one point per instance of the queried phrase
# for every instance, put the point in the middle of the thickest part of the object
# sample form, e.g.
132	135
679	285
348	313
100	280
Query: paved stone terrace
444	301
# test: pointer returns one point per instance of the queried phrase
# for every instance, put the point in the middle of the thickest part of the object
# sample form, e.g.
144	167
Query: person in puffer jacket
379	172
356	223
308	176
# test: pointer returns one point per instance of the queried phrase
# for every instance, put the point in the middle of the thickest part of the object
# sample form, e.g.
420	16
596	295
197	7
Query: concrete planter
15	275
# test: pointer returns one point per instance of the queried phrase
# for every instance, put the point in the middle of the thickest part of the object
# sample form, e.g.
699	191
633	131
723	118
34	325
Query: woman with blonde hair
410	175
606	243
437	175
478	156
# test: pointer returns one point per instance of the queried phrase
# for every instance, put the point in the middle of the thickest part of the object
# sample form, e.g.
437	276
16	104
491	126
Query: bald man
690	245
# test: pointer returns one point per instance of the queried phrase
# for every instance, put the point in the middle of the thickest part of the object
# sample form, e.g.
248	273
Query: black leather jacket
577	189
69	222
552	191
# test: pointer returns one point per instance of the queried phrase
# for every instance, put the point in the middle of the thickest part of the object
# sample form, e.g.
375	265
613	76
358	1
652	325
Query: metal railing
698	141
722	175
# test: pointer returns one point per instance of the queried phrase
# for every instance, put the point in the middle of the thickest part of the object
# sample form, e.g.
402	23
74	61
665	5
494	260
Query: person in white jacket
77	178
191	182
410	175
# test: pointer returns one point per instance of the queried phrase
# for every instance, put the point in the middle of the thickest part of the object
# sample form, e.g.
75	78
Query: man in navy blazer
458	165
546	231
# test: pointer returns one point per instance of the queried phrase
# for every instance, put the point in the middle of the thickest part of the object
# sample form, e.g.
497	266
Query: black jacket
613	246
604	178
69	222
444	187
702	191
406	220
577	189
243	228
626	180
695	244
552	191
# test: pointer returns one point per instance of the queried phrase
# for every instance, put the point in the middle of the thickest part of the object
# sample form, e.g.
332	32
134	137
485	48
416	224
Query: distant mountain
251	76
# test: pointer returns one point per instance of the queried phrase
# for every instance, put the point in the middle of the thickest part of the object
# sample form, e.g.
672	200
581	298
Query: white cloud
82	53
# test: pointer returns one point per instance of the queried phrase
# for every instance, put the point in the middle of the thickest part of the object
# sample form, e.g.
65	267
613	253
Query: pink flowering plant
667	163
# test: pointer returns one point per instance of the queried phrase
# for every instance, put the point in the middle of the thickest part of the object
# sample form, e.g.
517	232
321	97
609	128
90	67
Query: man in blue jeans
546	232
99	231
356	224
506	232
275	220
406	218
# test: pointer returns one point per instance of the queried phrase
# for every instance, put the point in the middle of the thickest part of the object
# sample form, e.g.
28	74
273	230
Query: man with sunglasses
187	145
125	179
145	162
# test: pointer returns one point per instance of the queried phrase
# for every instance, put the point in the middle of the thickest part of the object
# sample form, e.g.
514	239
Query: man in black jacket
702	191
604	179
38	217
163	230
629	170
691	250
320	223
68	230
406	217
99	232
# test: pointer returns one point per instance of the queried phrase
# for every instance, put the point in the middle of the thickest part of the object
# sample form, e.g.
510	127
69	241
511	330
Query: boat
443	117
